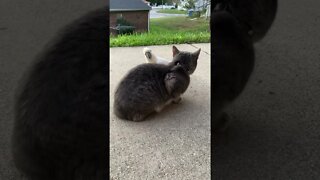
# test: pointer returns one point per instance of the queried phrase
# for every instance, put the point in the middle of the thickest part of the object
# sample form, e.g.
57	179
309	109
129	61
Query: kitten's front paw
176	100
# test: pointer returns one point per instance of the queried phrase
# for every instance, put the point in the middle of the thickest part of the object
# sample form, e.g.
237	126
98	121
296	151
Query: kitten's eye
177	63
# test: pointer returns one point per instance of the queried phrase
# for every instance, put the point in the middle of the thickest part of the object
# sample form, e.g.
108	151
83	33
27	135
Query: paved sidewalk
174	144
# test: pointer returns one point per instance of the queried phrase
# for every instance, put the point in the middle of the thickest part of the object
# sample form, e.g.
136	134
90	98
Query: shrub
124	27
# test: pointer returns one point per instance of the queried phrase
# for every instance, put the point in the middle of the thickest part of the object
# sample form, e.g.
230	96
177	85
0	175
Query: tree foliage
159	1
191	4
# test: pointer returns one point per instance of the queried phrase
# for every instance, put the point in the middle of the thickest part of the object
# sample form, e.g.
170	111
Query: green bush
124	27
123	22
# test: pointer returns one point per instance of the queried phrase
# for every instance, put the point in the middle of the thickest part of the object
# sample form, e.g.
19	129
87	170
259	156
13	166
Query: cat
232	64
256	16
150	87
187	59
61	109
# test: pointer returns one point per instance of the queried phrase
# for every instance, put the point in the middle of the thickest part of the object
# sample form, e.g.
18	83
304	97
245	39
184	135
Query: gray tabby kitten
149	87
233	62
256	16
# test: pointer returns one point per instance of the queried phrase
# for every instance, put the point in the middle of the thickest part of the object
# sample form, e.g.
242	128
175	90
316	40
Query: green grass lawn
172	11
169	30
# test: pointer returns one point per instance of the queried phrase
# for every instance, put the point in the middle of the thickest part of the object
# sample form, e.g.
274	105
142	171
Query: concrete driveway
174	144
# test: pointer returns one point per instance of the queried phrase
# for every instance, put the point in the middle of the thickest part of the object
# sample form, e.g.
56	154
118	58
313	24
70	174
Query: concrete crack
198	48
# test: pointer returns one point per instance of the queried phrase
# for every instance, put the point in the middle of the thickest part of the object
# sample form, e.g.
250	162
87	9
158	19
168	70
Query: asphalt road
274	133
154	14
25	27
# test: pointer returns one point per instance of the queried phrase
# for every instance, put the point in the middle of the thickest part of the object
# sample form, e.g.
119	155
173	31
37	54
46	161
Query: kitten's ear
196	54
175	50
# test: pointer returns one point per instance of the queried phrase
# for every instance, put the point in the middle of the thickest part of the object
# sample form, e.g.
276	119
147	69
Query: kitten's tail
150	58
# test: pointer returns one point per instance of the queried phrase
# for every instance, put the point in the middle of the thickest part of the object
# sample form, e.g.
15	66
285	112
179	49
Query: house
135	12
